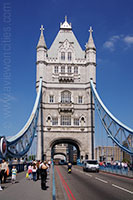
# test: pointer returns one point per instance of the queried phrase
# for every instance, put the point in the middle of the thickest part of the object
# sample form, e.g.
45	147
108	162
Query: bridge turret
41	47
90	53
41	55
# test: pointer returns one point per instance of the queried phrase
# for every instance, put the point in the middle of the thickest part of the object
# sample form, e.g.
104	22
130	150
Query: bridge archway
56	154
76	144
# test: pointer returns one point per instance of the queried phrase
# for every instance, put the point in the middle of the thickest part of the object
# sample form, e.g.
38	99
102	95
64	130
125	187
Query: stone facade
67	110
108	153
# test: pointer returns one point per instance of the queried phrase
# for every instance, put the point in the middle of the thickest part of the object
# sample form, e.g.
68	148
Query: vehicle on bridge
91	165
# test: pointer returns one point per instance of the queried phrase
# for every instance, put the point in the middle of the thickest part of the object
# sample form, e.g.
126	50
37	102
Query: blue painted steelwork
19	145
54	191
116	130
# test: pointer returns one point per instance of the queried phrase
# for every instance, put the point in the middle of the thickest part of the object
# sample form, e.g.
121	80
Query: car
91	165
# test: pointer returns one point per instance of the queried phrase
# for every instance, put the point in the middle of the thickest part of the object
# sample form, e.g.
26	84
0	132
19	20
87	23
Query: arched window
75	70
69	69
62	55
62	69
82	121
80	99
66	97
69	56
49	121
56	69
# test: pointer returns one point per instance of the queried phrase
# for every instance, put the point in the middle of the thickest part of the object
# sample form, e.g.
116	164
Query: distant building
108	153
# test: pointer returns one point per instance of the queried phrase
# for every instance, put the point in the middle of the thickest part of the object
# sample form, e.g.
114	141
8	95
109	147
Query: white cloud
111	43
114	38
128	40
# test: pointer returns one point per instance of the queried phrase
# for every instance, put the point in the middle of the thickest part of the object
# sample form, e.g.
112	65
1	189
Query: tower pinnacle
90	30
90	44
66	18
41	29
65	25
42	42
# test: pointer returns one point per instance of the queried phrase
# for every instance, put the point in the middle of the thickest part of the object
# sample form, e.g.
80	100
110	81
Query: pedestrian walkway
26	189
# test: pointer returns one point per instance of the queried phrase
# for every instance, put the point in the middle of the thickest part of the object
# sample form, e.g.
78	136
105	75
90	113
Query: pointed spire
66	18
90	44
42	42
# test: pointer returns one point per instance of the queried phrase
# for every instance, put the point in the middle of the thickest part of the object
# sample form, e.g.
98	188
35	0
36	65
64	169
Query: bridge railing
117	170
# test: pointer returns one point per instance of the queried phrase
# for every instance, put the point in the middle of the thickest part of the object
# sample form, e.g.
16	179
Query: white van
91	165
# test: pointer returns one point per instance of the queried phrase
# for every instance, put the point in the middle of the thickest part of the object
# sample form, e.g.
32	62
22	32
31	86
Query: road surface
81	185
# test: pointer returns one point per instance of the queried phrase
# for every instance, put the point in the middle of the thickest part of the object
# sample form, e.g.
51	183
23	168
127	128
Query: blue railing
117	170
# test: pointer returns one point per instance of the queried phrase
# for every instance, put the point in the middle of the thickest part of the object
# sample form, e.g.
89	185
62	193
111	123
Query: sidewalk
26	189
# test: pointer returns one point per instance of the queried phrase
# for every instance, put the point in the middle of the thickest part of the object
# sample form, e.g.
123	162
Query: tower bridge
64	110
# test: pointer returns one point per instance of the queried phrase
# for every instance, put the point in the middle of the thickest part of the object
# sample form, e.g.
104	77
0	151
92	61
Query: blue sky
112	23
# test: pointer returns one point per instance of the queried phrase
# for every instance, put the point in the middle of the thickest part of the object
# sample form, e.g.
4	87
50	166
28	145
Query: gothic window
66	97
69	69
76	121
62	55
49	121
75	70
69	56
65	120
82	121
54	121
51	98
56	70
62	69
80	99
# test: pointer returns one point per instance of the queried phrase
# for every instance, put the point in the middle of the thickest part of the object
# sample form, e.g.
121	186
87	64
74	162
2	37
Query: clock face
3	146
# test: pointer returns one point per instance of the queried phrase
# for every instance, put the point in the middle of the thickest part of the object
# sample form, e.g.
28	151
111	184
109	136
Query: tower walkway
26	189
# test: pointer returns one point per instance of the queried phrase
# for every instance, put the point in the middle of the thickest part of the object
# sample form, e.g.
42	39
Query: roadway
81	185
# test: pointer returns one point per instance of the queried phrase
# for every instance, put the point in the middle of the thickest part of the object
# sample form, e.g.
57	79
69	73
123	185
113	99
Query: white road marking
101	180
122	189
89	175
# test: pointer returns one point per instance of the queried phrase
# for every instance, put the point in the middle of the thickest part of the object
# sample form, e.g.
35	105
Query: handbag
27	175
7	171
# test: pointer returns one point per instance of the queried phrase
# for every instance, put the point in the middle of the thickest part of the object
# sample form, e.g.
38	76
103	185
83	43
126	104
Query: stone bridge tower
67	110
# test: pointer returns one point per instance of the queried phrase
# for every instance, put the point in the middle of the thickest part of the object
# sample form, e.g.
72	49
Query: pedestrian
38	169
0	179
14	174
34	171
4	167
30	171
43	172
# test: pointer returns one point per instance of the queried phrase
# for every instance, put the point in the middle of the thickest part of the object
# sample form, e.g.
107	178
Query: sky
20	21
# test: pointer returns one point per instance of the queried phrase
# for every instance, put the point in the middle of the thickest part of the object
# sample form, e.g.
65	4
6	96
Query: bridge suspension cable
18	145
116	130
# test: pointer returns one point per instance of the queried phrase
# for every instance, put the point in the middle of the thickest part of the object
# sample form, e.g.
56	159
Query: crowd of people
116	165
34	171
39	170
